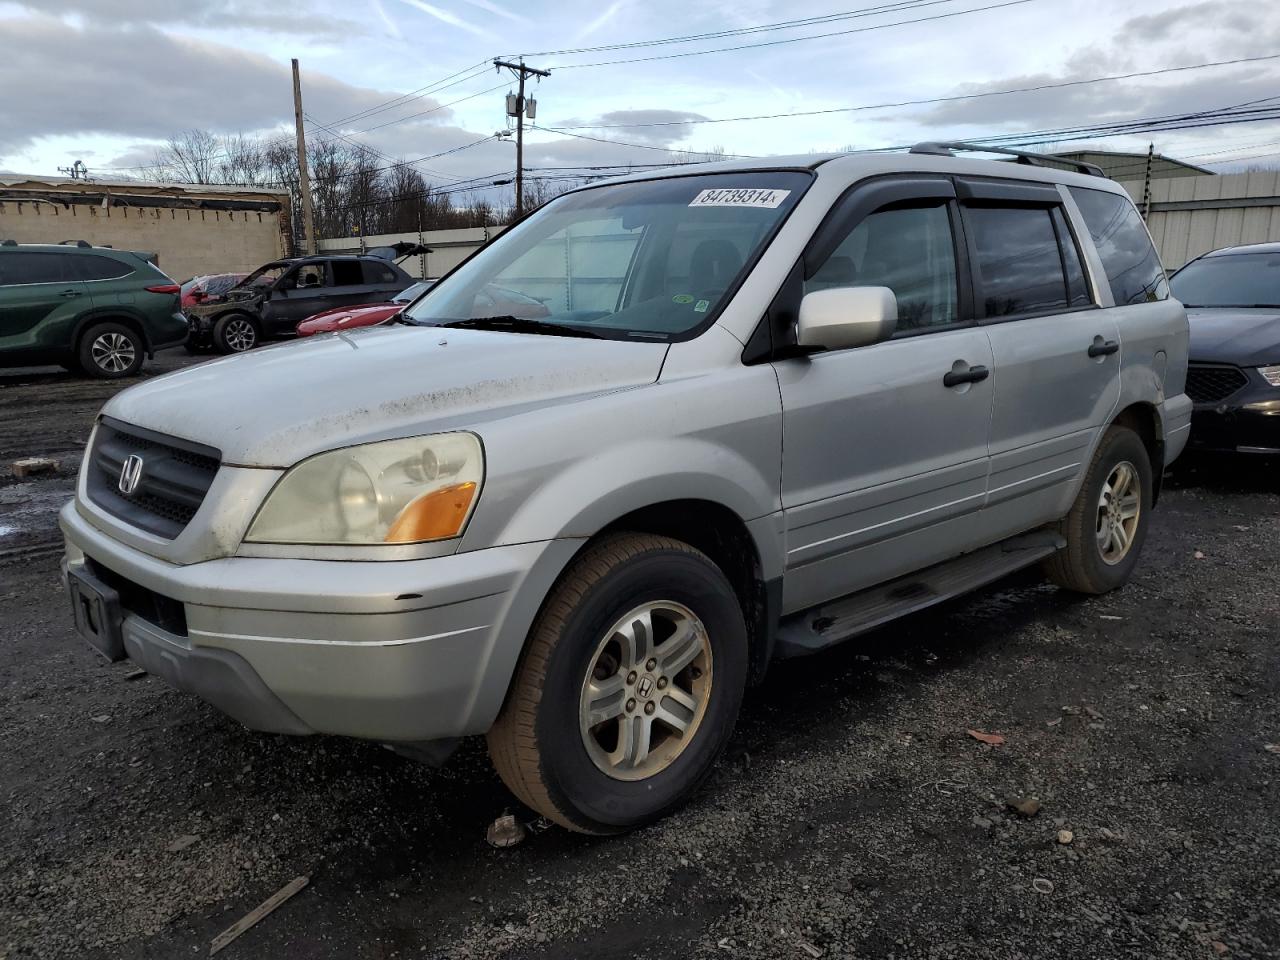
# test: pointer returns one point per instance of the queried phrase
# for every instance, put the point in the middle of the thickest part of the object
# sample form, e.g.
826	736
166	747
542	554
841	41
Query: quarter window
93	267
376	273
22	268
907	249
347	273
1132	264
1019	262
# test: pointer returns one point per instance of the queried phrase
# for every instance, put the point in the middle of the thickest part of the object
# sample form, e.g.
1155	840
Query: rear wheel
628	689
110	351
1107	524
235	333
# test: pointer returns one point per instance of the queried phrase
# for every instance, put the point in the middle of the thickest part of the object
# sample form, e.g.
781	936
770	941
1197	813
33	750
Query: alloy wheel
113	352
1119	506
646	690
240	335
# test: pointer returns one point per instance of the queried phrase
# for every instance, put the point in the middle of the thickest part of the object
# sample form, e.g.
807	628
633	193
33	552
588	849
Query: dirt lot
853	817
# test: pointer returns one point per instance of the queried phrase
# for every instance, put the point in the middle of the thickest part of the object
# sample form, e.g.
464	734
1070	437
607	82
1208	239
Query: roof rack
8	243
944	149
74	243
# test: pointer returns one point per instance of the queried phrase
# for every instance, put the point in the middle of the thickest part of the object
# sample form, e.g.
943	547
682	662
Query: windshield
651	260
412	293
1231	280
263	276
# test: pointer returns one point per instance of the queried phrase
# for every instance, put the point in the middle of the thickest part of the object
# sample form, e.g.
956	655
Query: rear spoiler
401	250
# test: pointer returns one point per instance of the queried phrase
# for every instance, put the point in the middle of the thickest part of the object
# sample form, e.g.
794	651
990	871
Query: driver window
907	249
307	275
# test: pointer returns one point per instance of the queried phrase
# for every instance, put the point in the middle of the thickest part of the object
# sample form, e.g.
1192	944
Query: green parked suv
90	309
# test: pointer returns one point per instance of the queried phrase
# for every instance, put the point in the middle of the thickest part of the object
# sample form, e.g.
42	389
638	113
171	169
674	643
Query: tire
235	333
565	771
1088	564
110	351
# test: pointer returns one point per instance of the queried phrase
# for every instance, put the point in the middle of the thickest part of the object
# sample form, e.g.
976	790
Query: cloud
103	86
610	12
668	126
212	14
490	7
444	16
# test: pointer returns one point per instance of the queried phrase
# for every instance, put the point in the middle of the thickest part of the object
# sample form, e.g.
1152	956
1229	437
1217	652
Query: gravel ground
853	816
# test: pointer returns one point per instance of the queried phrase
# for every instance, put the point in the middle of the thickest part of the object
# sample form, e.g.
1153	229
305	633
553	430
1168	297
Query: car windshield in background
412	293
1231	280
263	276
652	259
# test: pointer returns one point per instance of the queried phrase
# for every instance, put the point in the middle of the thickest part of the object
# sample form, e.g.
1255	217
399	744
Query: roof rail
8	243
74	243
944	149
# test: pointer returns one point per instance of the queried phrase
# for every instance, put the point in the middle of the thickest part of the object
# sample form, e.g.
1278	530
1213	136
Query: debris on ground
1093	713
994	739
1272	747
1042	885
135	674
101	718
30	465
1199	555
1065	837
506	831
257	913
184	841
808	948
1023	806
1219	947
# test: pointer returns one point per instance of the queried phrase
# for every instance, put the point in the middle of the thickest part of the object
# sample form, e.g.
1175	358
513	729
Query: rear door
1056	350
884	463
41	298
382	280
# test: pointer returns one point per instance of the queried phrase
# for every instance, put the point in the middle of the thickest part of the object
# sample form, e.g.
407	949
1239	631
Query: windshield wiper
510	324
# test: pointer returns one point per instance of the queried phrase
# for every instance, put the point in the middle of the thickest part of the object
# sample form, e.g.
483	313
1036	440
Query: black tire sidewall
577	787
220	329
84	354
1120	444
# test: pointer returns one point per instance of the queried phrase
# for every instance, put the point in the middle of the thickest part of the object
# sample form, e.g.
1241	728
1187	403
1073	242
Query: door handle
953	378
70	293
1102	348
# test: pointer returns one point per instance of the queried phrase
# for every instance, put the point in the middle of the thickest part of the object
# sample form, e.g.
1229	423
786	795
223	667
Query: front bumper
1246	422
404	650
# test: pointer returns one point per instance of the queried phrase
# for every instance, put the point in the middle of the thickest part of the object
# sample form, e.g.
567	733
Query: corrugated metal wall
1193	215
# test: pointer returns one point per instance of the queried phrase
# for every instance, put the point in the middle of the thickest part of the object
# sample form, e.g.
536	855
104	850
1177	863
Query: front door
1056	352
299	294
884	454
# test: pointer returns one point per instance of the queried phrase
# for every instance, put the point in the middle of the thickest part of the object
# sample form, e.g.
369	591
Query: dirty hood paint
277	405
1248	337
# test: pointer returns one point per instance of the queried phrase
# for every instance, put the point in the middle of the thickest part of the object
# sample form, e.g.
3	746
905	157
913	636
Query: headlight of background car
1271	375
395	491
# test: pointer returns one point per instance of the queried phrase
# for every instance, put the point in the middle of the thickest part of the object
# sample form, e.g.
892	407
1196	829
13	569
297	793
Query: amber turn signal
437	515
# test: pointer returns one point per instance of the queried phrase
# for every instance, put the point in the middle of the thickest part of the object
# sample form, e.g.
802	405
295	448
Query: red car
208	288
362	315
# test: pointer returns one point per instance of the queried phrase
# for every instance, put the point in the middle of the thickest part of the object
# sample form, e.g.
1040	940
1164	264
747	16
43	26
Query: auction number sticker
742	197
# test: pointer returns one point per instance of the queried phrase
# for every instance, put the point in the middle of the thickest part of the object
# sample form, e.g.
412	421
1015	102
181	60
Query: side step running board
812	630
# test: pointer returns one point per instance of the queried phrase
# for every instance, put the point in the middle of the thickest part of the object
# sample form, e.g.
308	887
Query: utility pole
1146	183
517	110
304	180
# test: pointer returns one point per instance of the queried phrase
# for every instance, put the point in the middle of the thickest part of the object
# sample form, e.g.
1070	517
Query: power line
924	101
641	146
816	36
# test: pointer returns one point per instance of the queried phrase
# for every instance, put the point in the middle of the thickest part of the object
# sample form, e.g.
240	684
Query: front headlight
395	491
1271	374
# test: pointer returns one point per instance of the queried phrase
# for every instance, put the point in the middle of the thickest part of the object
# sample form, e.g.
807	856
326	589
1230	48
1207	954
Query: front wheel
628	689
1108	522
235	333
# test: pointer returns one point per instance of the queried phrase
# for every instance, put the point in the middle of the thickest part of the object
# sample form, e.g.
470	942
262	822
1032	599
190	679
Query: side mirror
845	317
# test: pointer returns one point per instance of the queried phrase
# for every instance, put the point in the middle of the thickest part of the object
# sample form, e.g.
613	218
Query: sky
106	81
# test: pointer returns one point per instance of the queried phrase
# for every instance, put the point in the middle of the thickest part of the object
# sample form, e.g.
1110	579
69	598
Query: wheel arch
111	315
1144	419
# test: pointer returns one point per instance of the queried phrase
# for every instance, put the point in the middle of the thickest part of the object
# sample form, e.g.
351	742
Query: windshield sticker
768	199
682	298
701	306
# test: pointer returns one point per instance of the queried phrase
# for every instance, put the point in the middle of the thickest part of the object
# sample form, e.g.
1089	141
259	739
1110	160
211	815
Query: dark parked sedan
1232	298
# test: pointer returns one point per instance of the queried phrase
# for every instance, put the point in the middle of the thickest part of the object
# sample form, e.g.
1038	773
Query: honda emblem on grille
130	474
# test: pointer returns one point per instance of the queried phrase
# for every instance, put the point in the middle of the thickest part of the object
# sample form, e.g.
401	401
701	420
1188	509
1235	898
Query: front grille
1209	384
175	476
157	609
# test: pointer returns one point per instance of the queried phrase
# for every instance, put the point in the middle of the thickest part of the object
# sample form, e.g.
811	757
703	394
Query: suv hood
1245	337
277	405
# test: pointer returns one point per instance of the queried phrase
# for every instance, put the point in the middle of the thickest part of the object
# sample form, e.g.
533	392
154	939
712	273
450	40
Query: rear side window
375	272
93	267
1018	260
347	273
1132	265
907	249
24	268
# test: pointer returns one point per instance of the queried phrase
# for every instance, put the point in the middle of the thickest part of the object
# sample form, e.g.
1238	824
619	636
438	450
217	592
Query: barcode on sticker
745	197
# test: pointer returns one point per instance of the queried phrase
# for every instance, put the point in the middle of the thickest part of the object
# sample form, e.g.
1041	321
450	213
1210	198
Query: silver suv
770	406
